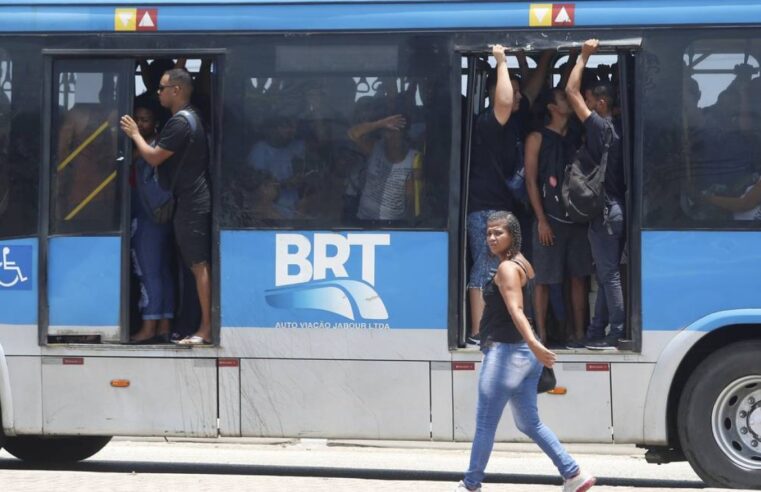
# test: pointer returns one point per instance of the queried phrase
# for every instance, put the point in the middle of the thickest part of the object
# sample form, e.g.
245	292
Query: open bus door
86	227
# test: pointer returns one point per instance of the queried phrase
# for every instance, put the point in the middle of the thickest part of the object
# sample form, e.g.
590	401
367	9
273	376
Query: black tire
722	458
42	449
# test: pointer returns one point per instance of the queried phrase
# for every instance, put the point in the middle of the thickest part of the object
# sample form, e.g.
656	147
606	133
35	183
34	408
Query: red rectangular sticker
563	14
598	366
463	366
228	362
73	361
147	19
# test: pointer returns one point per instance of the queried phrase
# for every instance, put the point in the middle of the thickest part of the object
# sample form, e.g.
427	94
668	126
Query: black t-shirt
176	136
596	127
495	146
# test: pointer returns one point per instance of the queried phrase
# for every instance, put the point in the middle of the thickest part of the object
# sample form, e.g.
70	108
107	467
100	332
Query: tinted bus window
339	134
20	80
85	194
701	131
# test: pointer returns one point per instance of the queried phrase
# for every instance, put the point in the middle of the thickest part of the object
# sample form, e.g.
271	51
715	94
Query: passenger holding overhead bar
606	230
497	153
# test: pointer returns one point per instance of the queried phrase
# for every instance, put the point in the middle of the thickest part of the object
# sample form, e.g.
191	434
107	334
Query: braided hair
513	228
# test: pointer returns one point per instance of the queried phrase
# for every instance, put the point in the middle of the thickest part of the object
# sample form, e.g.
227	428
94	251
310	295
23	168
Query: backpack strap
190	117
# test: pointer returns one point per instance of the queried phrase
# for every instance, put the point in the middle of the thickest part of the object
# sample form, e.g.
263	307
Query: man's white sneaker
462	488
580	483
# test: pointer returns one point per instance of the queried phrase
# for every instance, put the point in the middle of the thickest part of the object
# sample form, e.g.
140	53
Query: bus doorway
95	286
535	73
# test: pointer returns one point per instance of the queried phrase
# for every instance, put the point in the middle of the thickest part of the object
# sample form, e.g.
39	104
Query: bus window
702	164
340	136
84	143
19	143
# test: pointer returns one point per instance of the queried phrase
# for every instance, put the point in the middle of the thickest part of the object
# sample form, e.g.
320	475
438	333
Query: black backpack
584	183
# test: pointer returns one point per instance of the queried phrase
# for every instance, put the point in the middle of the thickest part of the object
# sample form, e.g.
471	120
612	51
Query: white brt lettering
331	252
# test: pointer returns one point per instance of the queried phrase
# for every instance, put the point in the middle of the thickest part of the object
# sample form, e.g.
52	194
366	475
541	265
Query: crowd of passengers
307	162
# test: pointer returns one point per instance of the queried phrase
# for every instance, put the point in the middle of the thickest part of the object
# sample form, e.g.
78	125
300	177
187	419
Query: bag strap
191	119
607	140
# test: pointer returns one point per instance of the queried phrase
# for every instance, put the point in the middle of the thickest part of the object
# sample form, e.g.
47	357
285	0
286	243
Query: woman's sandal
193	340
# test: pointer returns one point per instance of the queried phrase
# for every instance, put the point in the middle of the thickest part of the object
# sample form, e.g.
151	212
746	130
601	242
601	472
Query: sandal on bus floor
193	340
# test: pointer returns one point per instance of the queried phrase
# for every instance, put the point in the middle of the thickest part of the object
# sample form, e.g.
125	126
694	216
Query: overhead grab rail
537	43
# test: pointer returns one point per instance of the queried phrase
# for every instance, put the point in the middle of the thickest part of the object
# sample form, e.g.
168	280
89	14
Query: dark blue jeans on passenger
606	237
151	260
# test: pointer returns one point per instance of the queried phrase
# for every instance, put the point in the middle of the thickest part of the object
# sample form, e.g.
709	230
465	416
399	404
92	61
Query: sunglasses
162	87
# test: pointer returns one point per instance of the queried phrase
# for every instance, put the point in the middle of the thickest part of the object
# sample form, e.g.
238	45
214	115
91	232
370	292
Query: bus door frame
130	56
474	98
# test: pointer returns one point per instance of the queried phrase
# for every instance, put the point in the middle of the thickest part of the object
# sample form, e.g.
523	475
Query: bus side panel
335	399
26	392
581	415
629	387
441	401
229	397
171	397
359	295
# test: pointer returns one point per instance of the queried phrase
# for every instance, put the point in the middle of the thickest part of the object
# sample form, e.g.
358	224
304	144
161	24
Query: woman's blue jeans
510	372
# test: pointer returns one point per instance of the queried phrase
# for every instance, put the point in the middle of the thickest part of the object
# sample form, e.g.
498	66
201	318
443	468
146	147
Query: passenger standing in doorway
487	192
559	244
498	137
513	360
182	144
151	242
606	232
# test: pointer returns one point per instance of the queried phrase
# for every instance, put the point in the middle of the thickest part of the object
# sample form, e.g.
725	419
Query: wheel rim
736	422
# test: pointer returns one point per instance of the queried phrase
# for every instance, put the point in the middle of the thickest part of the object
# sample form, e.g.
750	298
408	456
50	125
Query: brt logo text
316	273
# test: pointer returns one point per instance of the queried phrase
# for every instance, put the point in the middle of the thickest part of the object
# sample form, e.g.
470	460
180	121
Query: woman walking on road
513	360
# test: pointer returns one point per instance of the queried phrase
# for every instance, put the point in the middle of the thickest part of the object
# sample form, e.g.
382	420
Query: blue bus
329	323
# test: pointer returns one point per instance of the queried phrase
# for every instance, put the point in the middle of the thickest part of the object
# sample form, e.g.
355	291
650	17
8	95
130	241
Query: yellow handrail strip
82	146
90	197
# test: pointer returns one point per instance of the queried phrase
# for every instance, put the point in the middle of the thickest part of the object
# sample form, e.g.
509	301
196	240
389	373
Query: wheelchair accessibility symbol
16	268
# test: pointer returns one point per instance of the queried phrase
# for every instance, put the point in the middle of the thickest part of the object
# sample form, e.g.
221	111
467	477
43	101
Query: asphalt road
318	465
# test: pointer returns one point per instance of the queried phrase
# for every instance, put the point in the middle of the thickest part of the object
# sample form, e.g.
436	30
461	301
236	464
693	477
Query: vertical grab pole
466	150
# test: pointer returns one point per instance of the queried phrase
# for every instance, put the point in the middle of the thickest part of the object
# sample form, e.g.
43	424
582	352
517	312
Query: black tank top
554	154
496	323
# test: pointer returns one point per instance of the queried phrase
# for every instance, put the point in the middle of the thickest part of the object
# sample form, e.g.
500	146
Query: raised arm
750	199
509	281
534	84
503	93
359	132
573	88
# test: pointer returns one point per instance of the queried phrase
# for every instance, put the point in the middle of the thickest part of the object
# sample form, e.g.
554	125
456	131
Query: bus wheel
54	449
719	417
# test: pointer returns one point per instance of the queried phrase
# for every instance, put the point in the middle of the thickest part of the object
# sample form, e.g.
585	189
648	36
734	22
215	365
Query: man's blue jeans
606	237
510	372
